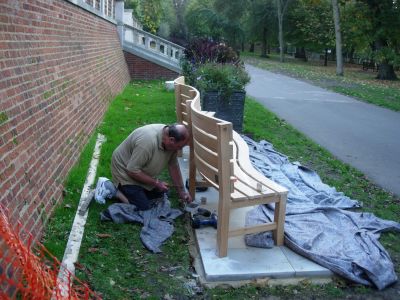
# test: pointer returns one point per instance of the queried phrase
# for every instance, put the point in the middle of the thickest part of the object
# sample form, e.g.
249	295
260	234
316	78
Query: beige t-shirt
142	151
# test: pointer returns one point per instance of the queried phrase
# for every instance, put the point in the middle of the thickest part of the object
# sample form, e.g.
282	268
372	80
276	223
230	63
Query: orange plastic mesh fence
28	272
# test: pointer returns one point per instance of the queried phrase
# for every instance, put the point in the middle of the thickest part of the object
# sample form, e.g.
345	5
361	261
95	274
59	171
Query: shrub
222	78
203	51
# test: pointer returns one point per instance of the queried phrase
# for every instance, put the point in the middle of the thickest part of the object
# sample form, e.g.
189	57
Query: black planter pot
230	109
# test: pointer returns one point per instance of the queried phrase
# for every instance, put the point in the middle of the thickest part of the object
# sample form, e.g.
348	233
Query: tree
232	20
148	12
385	15
134	5
180	28
312	26
216	20
338	38
196	25
167	26
261	23
356	28
281	9
151	15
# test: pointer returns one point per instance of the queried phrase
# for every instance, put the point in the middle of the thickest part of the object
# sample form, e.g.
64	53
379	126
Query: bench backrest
212	146
182	94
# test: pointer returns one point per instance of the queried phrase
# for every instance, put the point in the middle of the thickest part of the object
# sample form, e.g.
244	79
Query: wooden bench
221	156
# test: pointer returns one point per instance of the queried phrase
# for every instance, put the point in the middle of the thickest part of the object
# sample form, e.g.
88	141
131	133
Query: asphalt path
363	135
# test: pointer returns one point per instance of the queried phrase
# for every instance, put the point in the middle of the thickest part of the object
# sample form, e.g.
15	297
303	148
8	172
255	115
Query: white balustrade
135	37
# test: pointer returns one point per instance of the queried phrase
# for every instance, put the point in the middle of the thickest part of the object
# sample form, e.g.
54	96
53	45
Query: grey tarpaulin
157	222
318	227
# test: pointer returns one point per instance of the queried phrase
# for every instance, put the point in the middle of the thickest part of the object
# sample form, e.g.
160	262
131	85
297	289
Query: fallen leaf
79	266
103	235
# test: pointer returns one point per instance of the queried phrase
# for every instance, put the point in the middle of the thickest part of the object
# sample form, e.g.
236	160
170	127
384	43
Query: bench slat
246	190
207	171
185	97
243	160
206	154
245	201
248	180
187	90
251	182
204	138
206	123
238	196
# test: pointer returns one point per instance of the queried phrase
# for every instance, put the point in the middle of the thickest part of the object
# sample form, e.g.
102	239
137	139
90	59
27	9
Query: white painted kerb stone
75	237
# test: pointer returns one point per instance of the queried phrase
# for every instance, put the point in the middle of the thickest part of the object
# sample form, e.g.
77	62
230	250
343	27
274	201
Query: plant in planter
202	51
217	72
222	89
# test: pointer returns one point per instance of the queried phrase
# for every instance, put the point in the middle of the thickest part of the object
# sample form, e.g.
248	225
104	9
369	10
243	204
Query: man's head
175	137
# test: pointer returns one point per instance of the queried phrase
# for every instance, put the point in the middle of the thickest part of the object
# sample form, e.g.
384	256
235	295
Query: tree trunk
251	48
338	35
301	53
351	56
264	43
386	72
326	57
179	10
280	26
281	6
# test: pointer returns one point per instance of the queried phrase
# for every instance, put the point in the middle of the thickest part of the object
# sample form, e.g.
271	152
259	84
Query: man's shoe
104	189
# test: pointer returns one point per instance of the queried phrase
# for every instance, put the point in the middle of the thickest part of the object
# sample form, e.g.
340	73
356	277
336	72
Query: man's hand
161	186
185	197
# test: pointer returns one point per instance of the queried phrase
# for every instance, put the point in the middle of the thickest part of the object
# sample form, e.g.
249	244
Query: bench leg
192	173
223	226
279	218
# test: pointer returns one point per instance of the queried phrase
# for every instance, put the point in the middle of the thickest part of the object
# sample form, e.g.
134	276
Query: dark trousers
140	197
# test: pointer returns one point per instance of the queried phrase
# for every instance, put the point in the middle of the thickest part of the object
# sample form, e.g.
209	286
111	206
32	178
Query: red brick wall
140	68
59	68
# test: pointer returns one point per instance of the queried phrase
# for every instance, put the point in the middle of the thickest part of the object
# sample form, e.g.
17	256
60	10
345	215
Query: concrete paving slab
305	267
245	263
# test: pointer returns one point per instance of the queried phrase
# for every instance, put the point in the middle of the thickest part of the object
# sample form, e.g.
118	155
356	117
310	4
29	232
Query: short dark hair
173	131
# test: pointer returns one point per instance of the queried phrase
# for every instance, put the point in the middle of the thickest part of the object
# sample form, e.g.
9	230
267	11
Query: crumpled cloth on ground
157	221
316	224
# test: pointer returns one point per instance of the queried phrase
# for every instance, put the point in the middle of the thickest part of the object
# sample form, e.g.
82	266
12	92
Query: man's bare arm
146	179
176	176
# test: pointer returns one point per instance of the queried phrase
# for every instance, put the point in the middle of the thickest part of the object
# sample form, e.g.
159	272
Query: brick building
61	63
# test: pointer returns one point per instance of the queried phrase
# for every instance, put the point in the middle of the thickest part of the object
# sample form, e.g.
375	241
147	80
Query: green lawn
355	82
112	258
